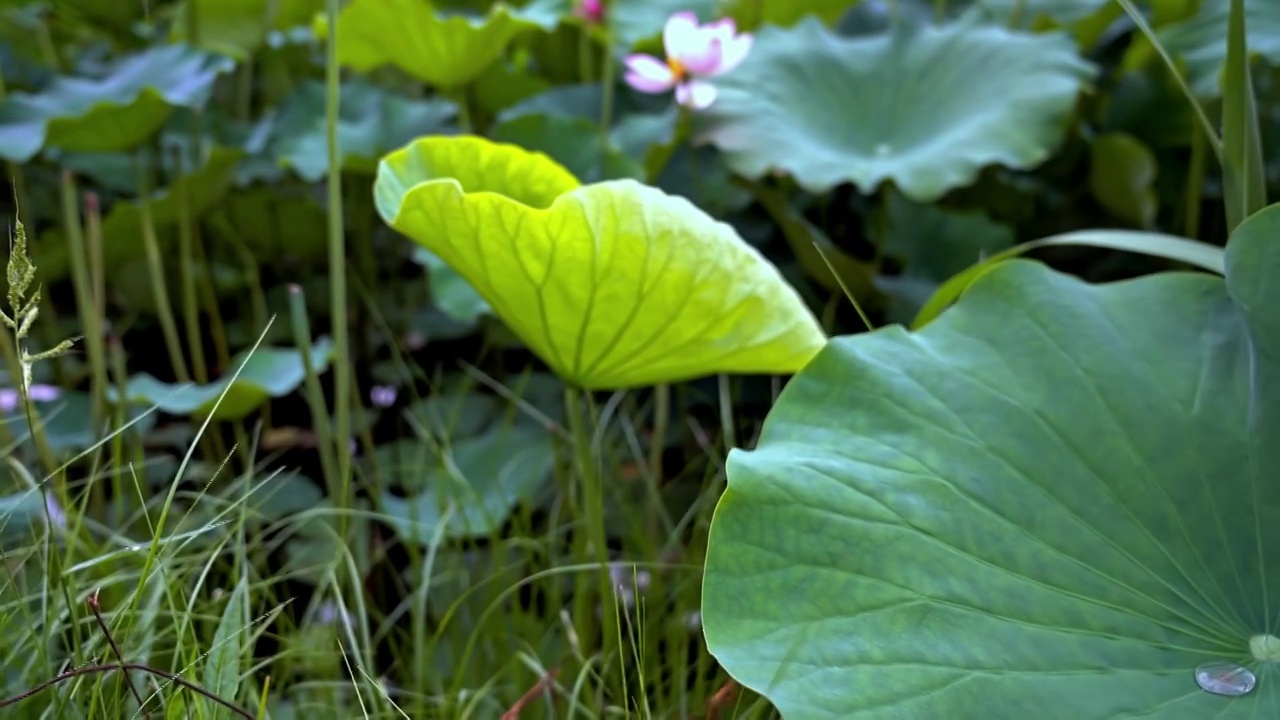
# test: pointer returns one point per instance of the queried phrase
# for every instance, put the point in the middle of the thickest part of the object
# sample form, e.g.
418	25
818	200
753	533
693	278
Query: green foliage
751	14
1121	173
254	377
1055	496
466	490
444	50
117	112
222	668
370	123
550	295
613	284
812	104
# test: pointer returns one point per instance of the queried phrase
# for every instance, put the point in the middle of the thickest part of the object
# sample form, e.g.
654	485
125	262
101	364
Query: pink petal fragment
704	60
734	52
648	74
696	94
681	33
724	28
590	10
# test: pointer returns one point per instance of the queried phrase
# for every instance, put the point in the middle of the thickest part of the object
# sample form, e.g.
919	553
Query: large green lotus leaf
263	374
441	49
614	284
238	27
480	487
1057	500
1201	41
922	106
371	122
122	226
751	14
116	112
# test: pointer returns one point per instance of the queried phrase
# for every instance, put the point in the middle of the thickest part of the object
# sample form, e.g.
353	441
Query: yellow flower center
677	69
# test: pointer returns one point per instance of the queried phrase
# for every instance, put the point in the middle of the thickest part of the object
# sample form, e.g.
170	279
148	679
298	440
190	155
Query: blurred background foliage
168	160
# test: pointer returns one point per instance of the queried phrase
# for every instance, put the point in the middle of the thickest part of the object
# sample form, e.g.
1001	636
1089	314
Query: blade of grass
337	269
1201	116
1170	247
1244	179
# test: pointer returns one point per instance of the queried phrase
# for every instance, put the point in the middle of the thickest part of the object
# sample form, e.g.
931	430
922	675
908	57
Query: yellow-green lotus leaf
614	284
441	49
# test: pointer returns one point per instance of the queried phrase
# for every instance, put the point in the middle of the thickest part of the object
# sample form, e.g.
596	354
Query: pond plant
652	358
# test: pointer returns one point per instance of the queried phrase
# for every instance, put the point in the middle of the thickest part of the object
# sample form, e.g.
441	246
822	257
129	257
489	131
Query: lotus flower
693	52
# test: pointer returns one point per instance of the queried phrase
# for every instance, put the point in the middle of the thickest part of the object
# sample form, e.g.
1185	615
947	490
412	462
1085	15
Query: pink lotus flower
693	52
590	10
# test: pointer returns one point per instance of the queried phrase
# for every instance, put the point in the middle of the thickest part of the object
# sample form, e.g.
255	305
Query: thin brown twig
125	667
115	649
720	699
530	694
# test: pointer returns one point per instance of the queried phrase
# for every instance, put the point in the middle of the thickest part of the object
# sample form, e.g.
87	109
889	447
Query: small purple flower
328	613
56	514
628	582
382	396
11	397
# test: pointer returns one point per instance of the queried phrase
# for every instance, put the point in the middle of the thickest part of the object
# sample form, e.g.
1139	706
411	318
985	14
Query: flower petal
705	60
696	94
724	28
648	74
680	33
733	52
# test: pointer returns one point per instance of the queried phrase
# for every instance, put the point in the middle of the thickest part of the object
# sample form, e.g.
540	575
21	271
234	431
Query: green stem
86	302
606	91
209	296
465	120
159	280
337	272
257	299
315	394
684	123
1140	20
726	413
657	445
1195	185
186	275
593	546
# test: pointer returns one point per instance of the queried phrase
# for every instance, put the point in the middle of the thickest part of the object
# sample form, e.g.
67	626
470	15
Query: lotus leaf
122	227
370	123
444	50
263	374
474	486
924	107
117	112
614	284
1057	500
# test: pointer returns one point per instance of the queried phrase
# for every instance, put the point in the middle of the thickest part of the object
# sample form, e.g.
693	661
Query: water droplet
883	149
1223	678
